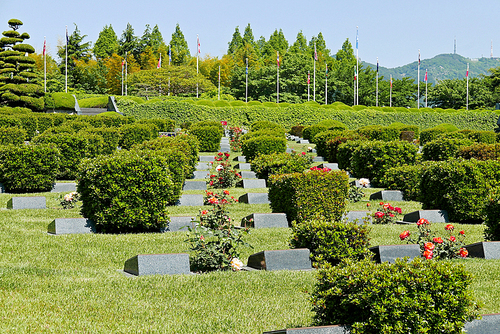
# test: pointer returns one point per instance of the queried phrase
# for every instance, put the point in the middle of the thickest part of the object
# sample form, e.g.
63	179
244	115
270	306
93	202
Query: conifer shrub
28	168
44	121
262	145
460	187
208	137
420	296
29	123
267	125
486	137
11	135
136	133
110	135
311	131
405	178
331	241
265	165
479	151
313	194
443	148
127	192
296	130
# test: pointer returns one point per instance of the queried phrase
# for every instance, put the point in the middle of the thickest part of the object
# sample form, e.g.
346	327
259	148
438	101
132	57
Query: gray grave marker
190	200
200	174
206	158
387	195
243	166
202	166
332	166
287	259
158	264
489	324
253	183
17	203
356	183
179	223
485	250
334	329
240	158
433	216
263	220
61	187
318	159
194	185
71	226
390	253
359	215
248	175
254	198
304	141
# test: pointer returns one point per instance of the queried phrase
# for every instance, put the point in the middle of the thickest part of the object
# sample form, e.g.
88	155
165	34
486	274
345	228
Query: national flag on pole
377	65
67	37
278	58
315	53
326	73
467	73
159	62
123	62
418	57
308	78
199	49
246	70
391	82
169	54
357	38
355	75
425	79
44	46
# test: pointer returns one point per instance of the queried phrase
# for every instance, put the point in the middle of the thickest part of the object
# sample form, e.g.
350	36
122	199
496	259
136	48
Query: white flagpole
390	94
126	69
122	76
308	83
169	57
197	54
326	84
314	75
66	63
218	97
426	88
278	78
357	68
44	65
376	95
246	81
467	102
418	81
354	87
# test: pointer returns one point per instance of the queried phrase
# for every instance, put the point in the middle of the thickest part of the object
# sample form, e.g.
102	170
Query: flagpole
426	88
197	54
354	87
278	78
44	66
246	81
66	63
418	81
357	68
467	102
218	97
169	57
314	75
158	67
126	70
390	94
376	95
308	83
123	63
326	84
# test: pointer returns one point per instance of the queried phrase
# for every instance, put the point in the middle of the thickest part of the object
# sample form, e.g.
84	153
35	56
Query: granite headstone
389	253
71	226
264	220
287	259
158	264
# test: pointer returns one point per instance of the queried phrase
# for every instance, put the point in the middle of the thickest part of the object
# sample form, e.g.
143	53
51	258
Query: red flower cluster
423	221
387	214
324	169
404	235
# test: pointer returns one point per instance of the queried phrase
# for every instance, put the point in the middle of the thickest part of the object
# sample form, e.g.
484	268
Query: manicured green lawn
75	283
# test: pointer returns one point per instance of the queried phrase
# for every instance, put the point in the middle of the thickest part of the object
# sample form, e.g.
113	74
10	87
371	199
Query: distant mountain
443	66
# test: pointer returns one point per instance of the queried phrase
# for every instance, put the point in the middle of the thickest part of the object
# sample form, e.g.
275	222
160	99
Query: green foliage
265	165
310	132
406	179
28	168
492	215
136	133
460	187
487	137
267	125
297	130
322	138
222	174
162	125
111	137
126	192
420	296
309	195
264	144
443	148
208	137
59	100
370	159
479	151
344	152
12	136
331	241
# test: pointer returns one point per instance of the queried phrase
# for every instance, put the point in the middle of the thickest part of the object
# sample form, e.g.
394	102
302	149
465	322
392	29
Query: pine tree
180	49
106	44
236	42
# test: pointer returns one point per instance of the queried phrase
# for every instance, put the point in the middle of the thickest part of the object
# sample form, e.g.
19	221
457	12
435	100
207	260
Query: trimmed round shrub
443	148
267	125
331	241
323	137
160	124
296	130
492	215
127	192
479	151
431	134
279	163
420	296
208	137
311	131
262	145
28	168
14	136
111	138
487	137
263	132
29	123
406	179
132	134
345	152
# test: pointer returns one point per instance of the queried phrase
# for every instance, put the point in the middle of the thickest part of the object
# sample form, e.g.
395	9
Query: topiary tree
19	85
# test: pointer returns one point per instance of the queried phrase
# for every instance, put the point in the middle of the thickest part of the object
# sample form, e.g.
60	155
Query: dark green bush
331	146
492	215
332	124
406	179
9	121
323	137
378	132
262	145
371	159
267	125
405	127
479	151
443	148
29	123
263	132
486	137
309	195
420	296
331	241
296	130
28	168
14	136
132	134
311	131
208	137
205	123
431	134
345	151
111	138
44	121
127	192
279	163
459	187
162	125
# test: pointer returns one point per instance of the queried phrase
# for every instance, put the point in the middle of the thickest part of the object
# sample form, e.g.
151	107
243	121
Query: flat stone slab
179	223
298	139
243	166
485	250
194	185
359	185
253	183
240	158
202	166
304	141
335	329
200	174
332	166
265	220
63	187
388	195
352	216
254	198
225	149
190	200
71	226
206	158
289	150
318	159
17	203
390	253
287	259
490	323
433	216
248	175
158	264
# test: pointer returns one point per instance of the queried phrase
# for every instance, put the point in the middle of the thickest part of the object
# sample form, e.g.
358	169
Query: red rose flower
381	203
462	232
398	210
227	155
463	252
219	154
422	221
438	240
404	235
368	204
202	238
453	239
204	212
226	192
428	254
213	200
379	214
449	227
429	246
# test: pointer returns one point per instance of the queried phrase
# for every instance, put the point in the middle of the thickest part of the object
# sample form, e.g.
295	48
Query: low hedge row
209	134
309	195
265	165
266	138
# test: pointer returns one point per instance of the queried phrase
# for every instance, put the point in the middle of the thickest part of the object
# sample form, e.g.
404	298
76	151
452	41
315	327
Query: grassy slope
73	283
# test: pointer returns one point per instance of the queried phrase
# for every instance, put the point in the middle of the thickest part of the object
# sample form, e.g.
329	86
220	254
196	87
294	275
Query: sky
391	30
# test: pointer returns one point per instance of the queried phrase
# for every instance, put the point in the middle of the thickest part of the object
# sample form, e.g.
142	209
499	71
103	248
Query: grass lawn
74	283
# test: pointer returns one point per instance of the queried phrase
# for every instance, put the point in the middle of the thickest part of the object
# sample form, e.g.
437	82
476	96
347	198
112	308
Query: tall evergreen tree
236	42
106	44
300	44
248	36
128	42
180	49
156	42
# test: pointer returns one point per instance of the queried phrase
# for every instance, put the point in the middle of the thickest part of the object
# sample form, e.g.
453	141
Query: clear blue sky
392	30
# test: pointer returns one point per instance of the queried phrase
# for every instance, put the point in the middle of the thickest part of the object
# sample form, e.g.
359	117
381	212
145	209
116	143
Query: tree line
99	68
